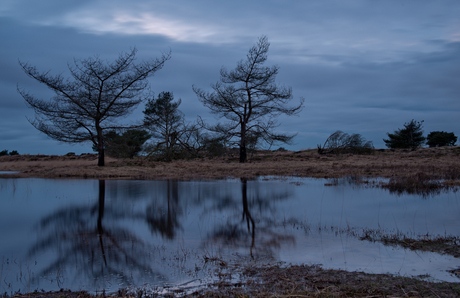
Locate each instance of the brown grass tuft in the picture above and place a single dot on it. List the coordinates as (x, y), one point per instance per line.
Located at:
(432, 163)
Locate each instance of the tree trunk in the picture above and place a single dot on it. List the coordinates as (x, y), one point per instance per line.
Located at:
(100, 150)
(100, 229)
(247, 214)
(242, 154)
(101, 206)
(243, 143)
(101, 160)
(100, 146)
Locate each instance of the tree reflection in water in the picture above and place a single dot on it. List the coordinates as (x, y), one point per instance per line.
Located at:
(95, 247)
(136, 229)
(88, 239)
(165, 219)
(241, 232)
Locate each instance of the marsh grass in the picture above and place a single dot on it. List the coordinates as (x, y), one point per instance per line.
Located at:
(434, 163)
(313, 281)
(420, 184)
(449, 245)
(292, 281)
(442, 244)
(23, 275)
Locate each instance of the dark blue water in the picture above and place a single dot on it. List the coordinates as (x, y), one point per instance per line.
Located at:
(105, 235)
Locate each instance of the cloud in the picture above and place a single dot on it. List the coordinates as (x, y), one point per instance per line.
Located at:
(120, 17)
(363, 67)
(335, 25)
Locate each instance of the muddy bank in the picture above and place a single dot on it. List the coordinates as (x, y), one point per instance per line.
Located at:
(431, 163)
(313, 281)
(294, 281)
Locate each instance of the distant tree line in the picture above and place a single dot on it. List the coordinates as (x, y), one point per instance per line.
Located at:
(5, 152)
(441, 138)
(411, 136)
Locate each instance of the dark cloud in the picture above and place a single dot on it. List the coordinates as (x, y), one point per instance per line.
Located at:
(363, 67)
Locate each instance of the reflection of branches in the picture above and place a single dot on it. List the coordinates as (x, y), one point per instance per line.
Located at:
(85, 243)
(264, 240)
(246, 213)
(164, 219)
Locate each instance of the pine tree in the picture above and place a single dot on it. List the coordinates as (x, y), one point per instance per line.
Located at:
(411, 136)
(166, 124)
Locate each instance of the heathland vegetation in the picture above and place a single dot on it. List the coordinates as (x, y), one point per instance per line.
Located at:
(440, 163)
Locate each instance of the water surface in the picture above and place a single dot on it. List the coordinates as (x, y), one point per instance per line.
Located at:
(104, 235)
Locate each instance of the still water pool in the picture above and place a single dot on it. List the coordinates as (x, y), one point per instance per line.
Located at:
(104, 235)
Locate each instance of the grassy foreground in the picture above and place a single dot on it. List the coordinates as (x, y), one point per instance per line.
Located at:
(411, 171)
(428, 163)
(298, 281)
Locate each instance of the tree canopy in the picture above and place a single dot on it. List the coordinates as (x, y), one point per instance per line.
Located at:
(250, 101)
(166, 124)
(93, 100)
(125, 145)
(441, 138)
(411, 136)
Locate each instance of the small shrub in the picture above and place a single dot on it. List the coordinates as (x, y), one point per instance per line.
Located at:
(340, 142)
(215, 149)
(125, 145)
(14, 152)
(4, 152)
(441, 138)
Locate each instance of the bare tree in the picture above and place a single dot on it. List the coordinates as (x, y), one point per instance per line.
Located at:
(97, 95)
(250, 100)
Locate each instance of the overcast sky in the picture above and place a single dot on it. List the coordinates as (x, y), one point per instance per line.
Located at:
(363, 67)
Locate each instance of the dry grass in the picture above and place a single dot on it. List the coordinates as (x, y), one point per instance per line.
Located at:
(434, 163)
(444, 245)
(298, 281)
(420, 184)
(313, 281)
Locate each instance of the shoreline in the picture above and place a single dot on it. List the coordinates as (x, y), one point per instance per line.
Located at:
(432, 163)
